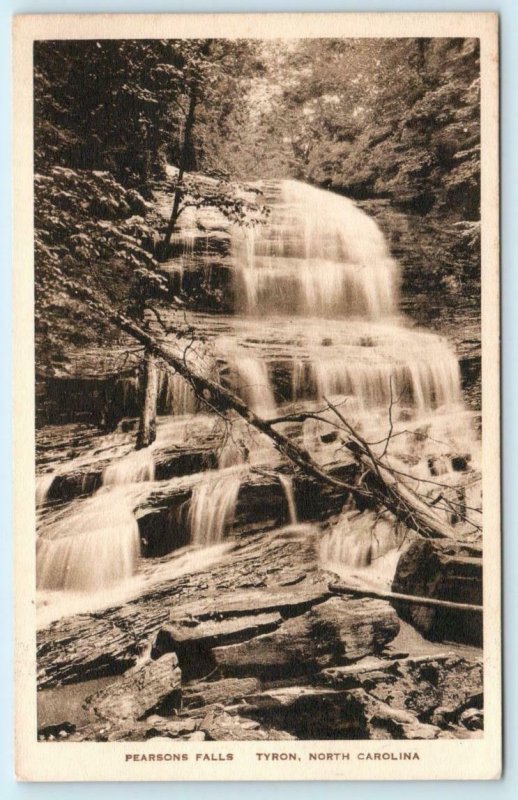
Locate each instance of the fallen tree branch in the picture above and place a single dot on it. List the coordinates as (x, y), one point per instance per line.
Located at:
(399, 498)
(344, 588)
(213, 394)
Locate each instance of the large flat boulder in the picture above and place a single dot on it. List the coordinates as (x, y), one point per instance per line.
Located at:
(193, 642)
(288, 601)
(336, 631)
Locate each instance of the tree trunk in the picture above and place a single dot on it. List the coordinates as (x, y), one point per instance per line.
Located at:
(147, 424)
(189, 122)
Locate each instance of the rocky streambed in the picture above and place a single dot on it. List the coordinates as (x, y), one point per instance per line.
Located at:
(257, 646)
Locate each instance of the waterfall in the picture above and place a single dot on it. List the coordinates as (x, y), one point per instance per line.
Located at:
(362, 544)
(175, 395)
(286, 482)
(135, 467)
(212, 507)
(254, 384)
(316, 298)
(319, 255)
(422, 384)
(43, 484)
(92, 547)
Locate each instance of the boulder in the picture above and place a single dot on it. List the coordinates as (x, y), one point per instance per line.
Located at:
(150, 689)
(336, 631)
(320, 713)
(428, 570)
(193, 643)
(472, 719)
(288, 601)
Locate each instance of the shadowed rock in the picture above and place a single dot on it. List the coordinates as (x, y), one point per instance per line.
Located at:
(420, 685)
(320, 713)
(427, 570)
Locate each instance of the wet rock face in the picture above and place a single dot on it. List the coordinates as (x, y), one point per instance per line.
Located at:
(265, 573)
(440, 278)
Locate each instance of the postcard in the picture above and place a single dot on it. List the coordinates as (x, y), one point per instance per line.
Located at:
(256, 413)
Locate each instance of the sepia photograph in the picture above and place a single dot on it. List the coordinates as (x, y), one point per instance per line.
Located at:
(257, 388)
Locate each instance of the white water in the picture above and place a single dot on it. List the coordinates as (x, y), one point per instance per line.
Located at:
(363, 546)
(251, 379)
(175, 394)
(213, 505)
(423, 383)
(53, 605)
(43, 484)
(135, 467)
(93, 547)
(319, 255)
(286, 482)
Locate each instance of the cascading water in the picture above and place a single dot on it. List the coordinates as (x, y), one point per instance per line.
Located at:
(135, 467)
(362, 545)
(286, 482)
(213, 505)
(316, 296)
(91, 547)
(94, 545)
(43, 484)
(319, 255)
(252, 381)
(175, 396)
